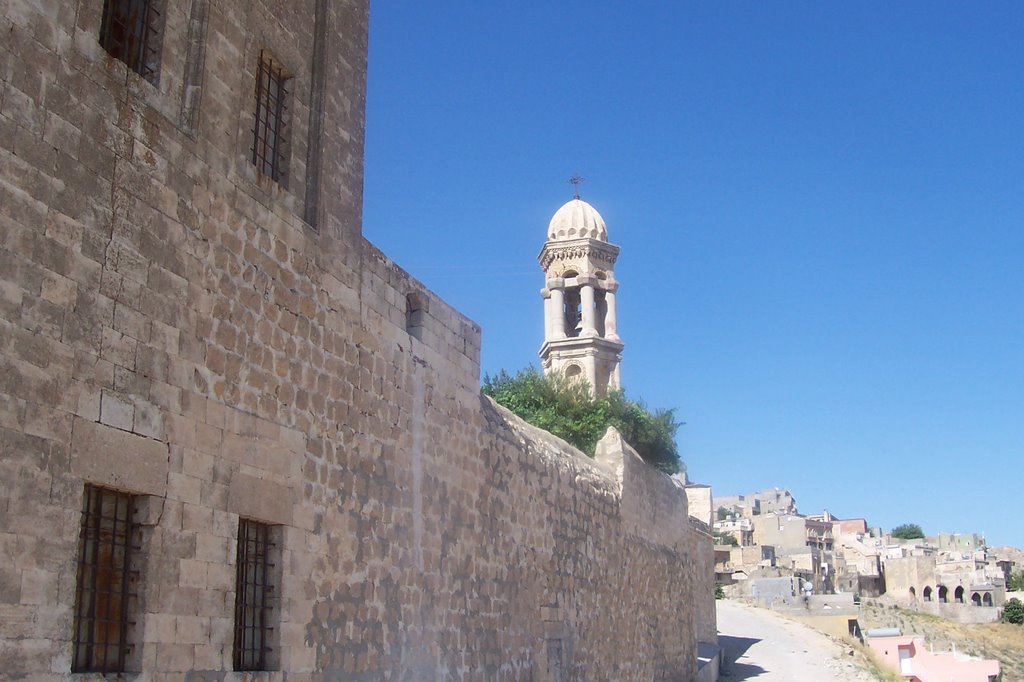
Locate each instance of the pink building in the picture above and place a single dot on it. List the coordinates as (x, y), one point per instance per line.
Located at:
(914, 661)
(851, 526)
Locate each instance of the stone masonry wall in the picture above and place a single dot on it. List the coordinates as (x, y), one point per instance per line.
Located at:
(175, 325)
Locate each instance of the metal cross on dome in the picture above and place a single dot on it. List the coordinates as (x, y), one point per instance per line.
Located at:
(575, 181)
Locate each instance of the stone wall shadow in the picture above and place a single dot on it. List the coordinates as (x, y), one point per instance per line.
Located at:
(733, 648)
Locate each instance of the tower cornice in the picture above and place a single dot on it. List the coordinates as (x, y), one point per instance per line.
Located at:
(577, 248)
(581, 344)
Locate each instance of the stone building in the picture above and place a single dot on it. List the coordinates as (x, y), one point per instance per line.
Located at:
(945, 587)
(236, 437)
(964, 543)
(767, 501)
(698, 498)
(858, 565)
(803, 544)
(580, 334)
(741, 530)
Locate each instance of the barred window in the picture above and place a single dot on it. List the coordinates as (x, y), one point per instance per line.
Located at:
(132, 31)
(254, 591)
(107, 583)
(269, 140)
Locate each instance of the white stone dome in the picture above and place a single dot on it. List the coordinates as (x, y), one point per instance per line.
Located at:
(577, 220)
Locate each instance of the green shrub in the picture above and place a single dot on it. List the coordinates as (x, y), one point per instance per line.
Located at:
(1013, 612)
(566, 408)
(723, 538)
(908, 531)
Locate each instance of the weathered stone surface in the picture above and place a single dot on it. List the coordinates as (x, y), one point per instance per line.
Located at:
(176, 325)
(261, 499)
(108, 456)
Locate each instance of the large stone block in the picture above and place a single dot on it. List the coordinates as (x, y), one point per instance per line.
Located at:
(108, 456)
(260, 499)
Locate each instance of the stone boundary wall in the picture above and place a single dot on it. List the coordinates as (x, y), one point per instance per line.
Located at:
(177, 326)
(703, 599)
(968, 614)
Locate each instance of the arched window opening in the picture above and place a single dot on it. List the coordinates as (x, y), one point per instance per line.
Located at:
(927, 593)
(958, 595)
(913, 594)
(976, 599)
(987, 599)
(573, 371)
(943, 594)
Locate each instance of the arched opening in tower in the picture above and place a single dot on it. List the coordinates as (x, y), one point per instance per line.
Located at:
(573, 312)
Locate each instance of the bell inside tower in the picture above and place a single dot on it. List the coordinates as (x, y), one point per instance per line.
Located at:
(573, 312)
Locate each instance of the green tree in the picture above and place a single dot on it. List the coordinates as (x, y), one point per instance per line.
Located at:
(722, 538)
(723, 513)
(1013, 612)
(565, 408)
(1016, 582)
(719, 592)
(908, 531)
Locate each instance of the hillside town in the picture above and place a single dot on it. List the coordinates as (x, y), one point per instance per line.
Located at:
(819, 569)
(761, 538)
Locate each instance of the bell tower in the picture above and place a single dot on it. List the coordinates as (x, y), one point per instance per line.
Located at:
(580, 338)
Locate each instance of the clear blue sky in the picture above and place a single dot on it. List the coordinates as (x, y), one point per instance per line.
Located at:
(820, 208)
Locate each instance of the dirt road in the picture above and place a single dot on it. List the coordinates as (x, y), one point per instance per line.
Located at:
(763, 646)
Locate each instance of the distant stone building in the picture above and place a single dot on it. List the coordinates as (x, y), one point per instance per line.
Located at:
(767, 501)
(851, 527)
(803, 545)
(236, 440)
(950, 588)
(858, 558)
(963, 543)
(698, 497)
(741, 530)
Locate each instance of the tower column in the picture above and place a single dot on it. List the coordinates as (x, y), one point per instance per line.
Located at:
(546, 295)
(610, 330)
(556, 308)
(590, 369)
(589, 313)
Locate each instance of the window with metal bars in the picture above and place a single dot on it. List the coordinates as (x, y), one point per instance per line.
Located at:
(269, 138)
(254, 592)
(131, 31)
(107, 582)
